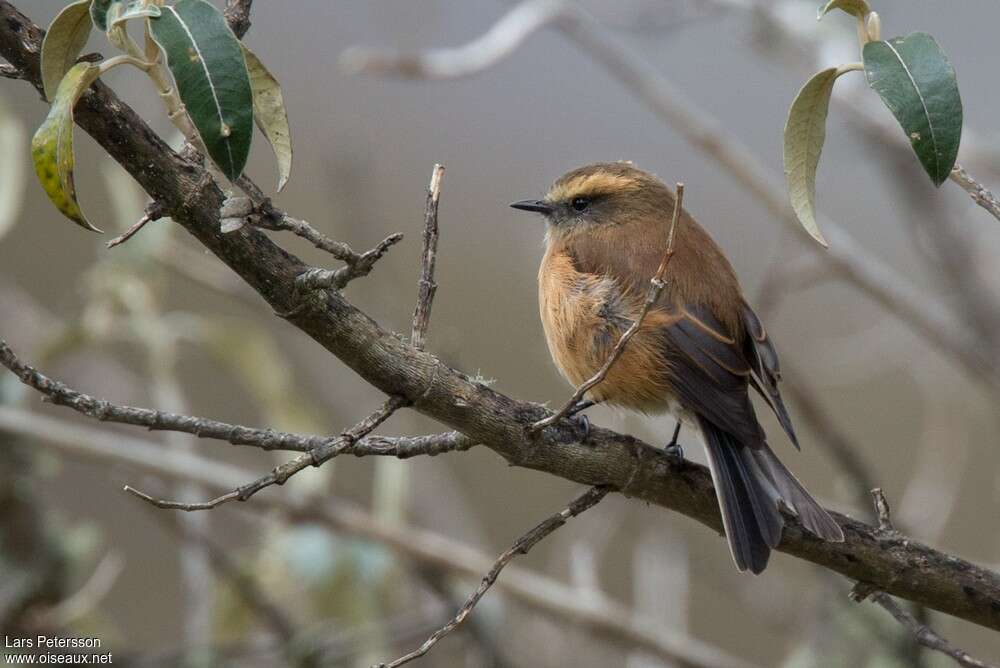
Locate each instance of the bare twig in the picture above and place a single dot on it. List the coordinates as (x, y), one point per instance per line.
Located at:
(926, 636)
(153, 212)
(882, 511)
(656, 286)
(427, 287)
(266, 439)
(601, 615)
(522, 545)
(259, 212)
(358, 265)
(977, 191)
(922, 633)
(280, 474)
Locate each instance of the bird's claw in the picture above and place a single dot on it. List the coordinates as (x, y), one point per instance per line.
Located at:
(582, 423)
(675, 453)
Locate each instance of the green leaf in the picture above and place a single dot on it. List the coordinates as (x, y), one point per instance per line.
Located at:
(99, 13)
(805, 132)
(132, 9)
(64, 40)
(857, 8)
(211, 76)
(52, 145)
(269, 112)
(917, 83)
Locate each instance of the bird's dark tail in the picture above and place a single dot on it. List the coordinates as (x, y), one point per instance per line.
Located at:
(812, 515)
(747, 497)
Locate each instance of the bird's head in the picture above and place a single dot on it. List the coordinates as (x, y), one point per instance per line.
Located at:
(589, 199)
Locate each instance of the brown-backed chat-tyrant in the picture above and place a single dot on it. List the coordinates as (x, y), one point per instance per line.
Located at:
(698, 351)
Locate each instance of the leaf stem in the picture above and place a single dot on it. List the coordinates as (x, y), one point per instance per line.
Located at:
(850, 67)
(112, 63)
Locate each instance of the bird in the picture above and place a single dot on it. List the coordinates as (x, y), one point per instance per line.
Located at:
(696, 354)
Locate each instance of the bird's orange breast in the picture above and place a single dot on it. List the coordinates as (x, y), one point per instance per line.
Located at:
(584, 316)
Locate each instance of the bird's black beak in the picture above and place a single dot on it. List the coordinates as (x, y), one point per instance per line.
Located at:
(536, 205)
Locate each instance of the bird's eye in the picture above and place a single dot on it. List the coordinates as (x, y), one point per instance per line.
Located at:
(580, 203)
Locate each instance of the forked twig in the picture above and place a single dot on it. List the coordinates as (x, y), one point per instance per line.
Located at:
(656, 286)
(522, 545)
(922, 633)
(280, 474)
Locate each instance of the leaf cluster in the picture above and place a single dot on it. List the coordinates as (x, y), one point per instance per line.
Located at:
(913, 78)
(213, 86)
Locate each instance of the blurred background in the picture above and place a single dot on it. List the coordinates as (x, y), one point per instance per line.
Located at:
(158, 322)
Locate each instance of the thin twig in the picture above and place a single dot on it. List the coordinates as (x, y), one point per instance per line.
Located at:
(266, 439)
(153, 212)
(882, 511)
(522, 545)
(977, 191)
(923, 634)
(358, 266)
(279, 475)
(427, 287)
(656, 286)
(926, 636)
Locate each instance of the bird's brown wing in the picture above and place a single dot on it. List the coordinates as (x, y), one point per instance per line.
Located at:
(710, 373)
(766, 369)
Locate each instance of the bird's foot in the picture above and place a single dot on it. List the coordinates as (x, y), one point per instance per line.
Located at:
(581, 421)
(674, 451)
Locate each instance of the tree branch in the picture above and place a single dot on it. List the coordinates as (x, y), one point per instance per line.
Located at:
(522, 545)
(280, 474)
(901, 567)
(598, 614)
(977, 191)
(922, 634)
(266, 439)
(926, 636)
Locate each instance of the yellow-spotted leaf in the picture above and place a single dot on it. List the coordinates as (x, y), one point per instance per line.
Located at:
(805, 132)
(64, 40)
(269, 114)
(52, 145)
(857, 8)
